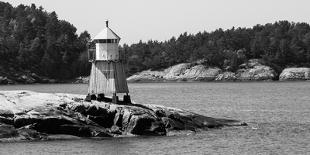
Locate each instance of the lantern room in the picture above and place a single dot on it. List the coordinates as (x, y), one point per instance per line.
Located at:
(106, 46)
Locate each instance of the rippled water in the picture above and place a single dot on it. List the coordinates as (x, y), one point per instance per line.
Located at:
(278, 114)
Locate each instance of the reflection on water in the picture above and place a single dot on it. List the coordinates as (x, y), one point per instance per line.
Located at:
(278, 114)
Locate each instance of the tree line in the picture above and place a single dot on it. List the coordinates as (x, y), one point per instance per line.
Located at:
(35, 40)
(280, 44)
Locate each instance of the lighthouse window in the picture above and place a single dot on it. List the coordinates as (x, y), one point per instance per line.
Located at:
(106, 41)
(101, 41)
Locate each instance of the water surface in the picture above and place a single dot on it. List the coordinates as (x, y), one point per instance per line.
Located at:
(278, 114)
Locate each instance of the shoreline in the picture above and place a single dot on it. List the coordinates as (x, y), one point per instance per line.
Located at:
(31, 116)
(252, 71)
(169, 81)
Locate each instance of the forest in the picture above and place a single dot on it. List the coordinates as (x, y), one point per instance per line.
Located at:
(37, 41)
(34, 40)
(279, 45)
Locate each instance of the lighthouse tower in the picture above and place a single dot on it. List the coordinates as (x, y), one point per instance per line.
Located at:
(107, 75)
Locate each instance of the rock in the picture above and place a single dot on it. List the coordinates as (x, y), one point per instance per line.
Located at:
(7, 131)
(129, 119)
(30, 134)
(200, 73)
(174, 72)
(254, 70)
(295, 74)
(180, 72)
(177, 119)
(81, 79)
(5, 80)
(25, 79)
(14, 76)
(6, 113)
(27, 115)
(190, 72)
(147, 76)
(226, 76)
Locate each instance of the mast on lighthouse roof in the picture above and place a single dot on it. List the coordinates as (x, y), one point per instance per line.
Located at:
(107, 72)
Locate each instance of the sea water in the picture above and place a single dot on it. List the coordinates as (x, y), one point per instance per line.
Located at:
(278, 114)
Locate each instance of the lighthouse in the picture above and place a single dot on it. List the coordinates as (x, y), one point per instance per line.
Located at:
(107, 77)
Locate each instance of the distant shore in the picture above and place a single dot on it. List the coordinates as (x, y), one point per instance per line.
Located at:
(253, 70)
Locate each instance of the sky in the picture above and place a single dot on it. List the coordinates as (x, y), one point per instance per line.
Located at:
(135, 20)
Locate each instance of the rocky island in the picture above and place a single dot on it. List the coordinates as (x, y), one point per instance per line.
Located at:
(27, 115)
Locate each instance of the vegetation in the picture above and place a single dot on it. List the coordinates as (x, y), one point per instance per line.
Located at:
(34, 40)
(279, 45)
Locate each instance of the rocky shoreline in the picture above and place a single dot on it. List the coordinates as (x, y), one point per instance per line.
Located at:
(27, 115)
(22, 77)
(253, 70)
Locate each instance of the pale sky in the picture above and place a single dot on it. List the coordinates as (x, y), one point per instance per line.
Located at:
(135, 20)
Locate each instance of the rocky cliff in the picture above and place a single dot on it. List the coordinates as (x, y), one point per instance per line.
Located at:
(26, 115)
(295, 74)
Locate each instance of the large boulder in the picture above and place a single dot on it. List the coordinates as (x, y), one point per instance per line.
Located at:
(253, 70)
(26, 115)
(295, 74)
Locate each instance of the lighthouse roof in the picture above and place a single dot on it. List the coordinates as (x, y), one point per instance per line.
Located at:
(106, 33)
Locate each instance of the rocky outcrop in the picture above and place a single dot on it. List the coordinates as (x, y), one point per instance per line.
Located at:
(81, 79)
(147, 76)
(180, 72)
(295, 74)
(196, 73)
(5, 80)
(24, 77)
(26, 115)
(176, 71)
(255, 71)
(226, 76)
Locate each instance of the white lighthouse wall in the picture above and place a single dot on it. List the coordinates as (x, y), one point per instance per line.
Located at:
(101, 51)
(107, 51)
(108, 78)
(113, 53)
